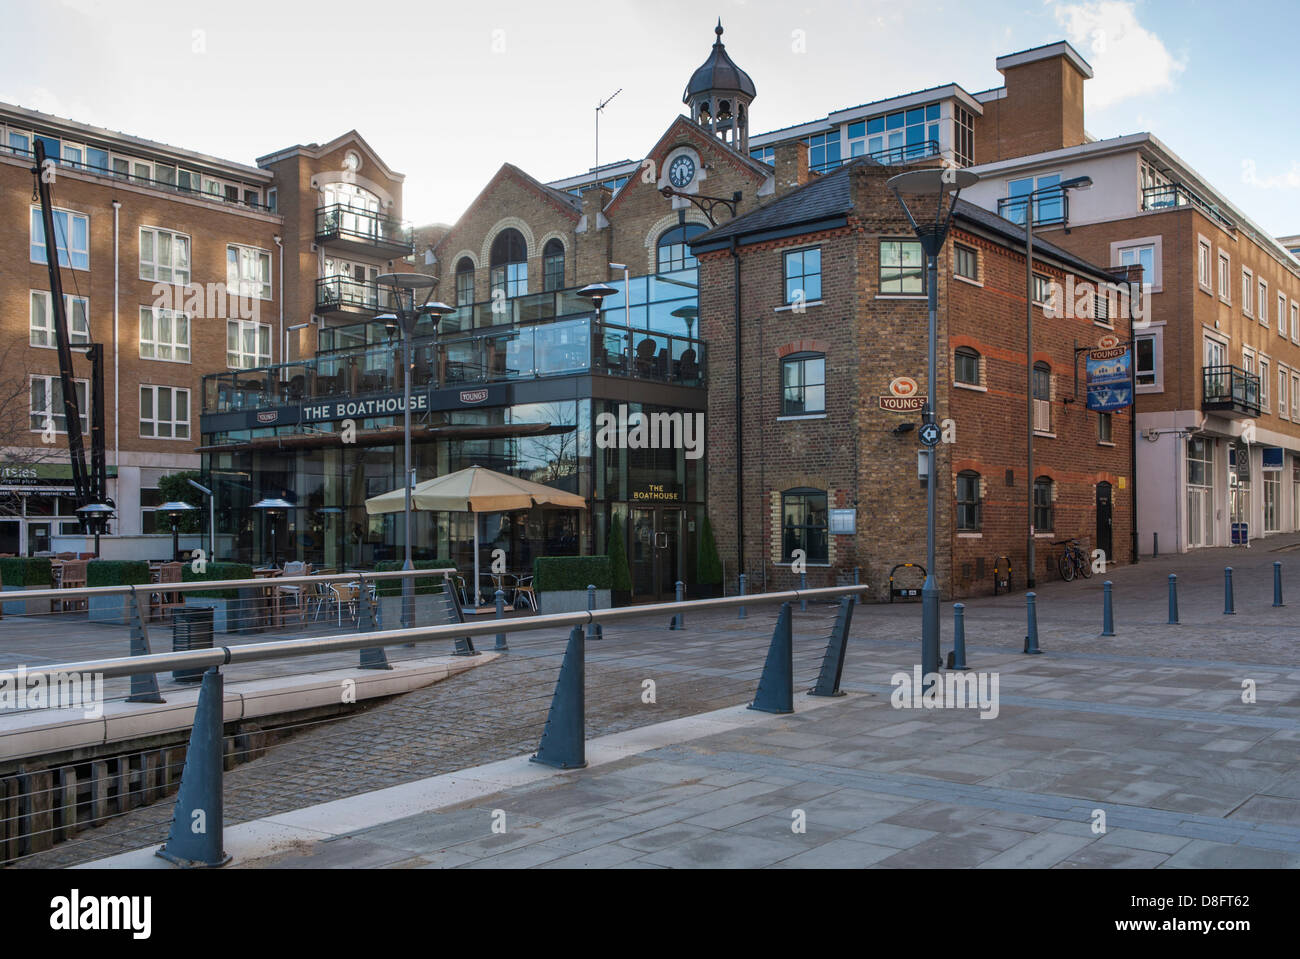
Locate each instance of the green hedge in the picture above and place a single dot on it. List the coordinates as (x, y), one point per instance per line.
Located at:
(26, 571)
(620, 572)
(216, 571)
(424, 585)
(709, 566)
(552, 574)
(117, 572)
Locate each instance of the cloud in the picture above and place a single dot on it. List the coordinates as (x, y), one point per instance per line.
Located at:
(1128, 59)
(1290, 180)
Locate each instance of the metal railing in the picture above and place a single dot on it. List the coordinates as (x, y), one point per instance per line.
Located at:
(340, 221)
(342, 292)
(1232, 388)
(1050, 208)
(1170, 196)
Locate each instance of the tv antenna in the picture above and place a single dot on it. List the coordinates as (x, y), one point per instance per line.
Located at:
(598, 109)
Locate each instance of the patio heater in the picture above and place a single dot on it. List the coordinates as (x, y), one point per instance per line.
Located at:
(96, 517)
(271, 506)
(176, 511)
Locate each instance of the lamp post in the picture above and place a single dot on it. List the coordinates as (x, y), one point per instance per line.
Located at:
(934, 194)
(96, 517)
(212, 519)
(271, 506)
(409, 289)
(627, 293)
(176, 511)
(1077, 183)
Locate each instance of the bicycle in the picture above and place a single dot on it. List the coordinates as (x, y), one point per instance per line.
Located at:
(1073, 561)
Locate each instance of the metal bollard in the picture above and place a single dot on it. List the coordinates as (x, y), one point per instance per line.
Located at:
(1107, 611)
(1228, 609)
(957, 658)
(679, 619)
(803, 584)
(1277, 585)
(1031, 639)
(501, 614)
(857, 597)
(1173, 600)
(741, 614)
(1155, 545)
(593, 629)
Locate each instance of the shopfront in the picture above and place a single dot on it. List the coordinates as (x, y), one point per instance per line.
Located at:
(37, 502)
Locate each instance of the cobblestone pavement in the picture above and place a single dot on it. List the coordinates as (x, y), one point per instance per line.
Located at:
(1148, 725)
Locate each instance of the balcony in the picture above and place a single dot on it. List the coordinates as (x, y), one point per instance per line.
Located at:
(1050, 209)
(362, 232)
(1230, 392)
(341, 295)
(1171, 196)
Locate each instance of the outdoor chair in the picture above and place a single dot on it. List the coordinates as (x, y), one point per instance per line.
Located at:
(294, 593)
(161, 602)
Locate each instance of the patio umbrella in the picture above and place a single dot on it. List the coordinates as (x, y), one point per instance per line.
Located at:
(474, 490)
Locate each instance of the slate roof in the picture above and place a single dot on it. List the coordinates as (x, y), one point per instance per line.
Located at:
(720, 73)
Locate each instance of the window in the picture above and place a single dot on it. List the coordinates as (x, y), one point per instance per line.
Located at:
(77, 310)
(1295, 326)
(509, 262)
(906, 133)
(1281, 314)
(803, 384)
(1101, 307)
(97, 159)
(164, 413)
(47, 404)
(1203, 265)
(673, 252)
(1262, 307)
(71, 236)
(1247, 290)
(164, 256)
(766, 154)
(1263, 383)
(1146, 361)
(1295, 405)
(966, 366)
(968, 502)
(1105, 428)
(1042, 289)
(19, 142)
(1049, 206)
(465, 281)
(1042, 398)
(964, 125)
(553, 265)
(902, 270)
(965, 262)
(803, 276)
(151, 521)
(273, 201)
(1225, 271)
(1044, 508)
(803, 525)
(1282, 404)
(1143, 256)
(1200, 461)
(824, 151)
(248, 344)
(164, 335)
(248, 272)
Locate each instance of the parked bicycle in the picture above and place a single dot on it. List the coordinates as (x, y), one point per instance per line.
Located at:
(1074, 561)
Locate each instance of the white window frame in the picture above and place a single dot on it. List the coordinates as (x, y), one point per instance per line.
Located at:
(1156, 333)
(82, 386)
(1265, 392)
(1295, 329)
(1204, 264)
(1281, 315)
(1283, 399)
(245, 360)
(151, 269)
(76, 337)
(1262, 306)
(33, 245)
(1225, 277)
(1247, 292)
(239, 284)
(152, 347)
(154, 423)
(1295, 404)
(1154, 282)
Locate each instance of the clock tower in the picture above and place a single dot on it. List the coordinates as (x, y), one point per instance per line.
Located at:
(719, 94)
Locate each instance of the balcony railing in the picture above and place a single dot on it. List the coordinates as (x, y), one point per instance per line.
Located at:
(362, 230)
(890, 157)
(503, 354)
(1173, 195)
(343, 294)
(1230, 391)
(1050, 209)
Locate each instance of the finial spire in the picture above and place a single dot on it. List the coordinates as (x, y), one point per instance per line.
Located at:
(718, 29)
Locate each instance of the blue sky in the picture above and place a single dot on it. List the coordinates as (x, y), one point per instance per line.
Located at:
(447, 92)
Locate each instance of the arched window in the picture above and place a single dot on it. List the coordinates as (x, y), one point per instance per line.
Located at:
(553, 265)
(966, 366)
(464, 281)
(804, 525)
(968, 501)
(803, 384)
(509, 263)
(1044, 509)
(674, 254)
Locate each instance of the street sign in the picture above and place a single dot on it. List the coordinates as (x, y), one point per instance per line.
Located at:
(930, 434)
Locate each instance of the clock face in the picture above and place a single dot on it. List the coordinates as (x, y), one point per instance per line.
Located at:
(681, 172)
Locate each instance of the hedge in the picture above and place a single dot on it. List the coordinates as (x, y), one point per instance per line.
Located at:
(117, 572)
(552, 574)
(621, 574)
(26, 571)
(709, 566)
(424, 585)
(216, 571)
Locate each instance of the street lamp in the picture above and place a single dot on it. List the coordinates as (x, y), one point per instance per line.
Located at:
(627, 293)
(271, 506)
(1077, 183)
(176, 511)
(934, 195)
(411, 292)
(96, 517)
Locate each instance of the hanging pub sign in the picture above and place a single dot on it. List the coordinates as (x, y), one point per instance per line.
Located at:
(1110, 382)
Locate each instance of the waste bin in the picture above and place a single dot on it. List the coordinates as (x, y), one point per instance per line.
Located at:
(191, 629)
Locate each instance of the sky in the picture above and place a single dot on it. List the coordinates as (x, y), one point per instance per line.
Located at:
(447, 92)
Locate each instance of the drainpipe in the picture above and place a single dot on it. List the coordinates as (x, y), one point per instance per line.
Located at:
(284, 337)
(740, 441)
(117, 392)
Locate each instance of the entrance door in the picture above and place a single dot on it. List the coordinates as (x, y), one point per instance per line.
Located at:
(1105, 540)
(656, 553)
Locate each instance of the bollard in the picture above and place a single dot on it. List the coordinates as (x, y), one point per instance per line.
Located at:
(1277, 585)
(195, 839)
(776, 685)
(803, 584)
(957, 658)
(1228, 609)
(1155, 545)
(501, 645)
(741, 614)
(1107, 611)
(679, 619)
(857, 597)
(593, 629)
(144, 686)
(1031, 639)
(828, 680)
(563, 744)
(1173, 600)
